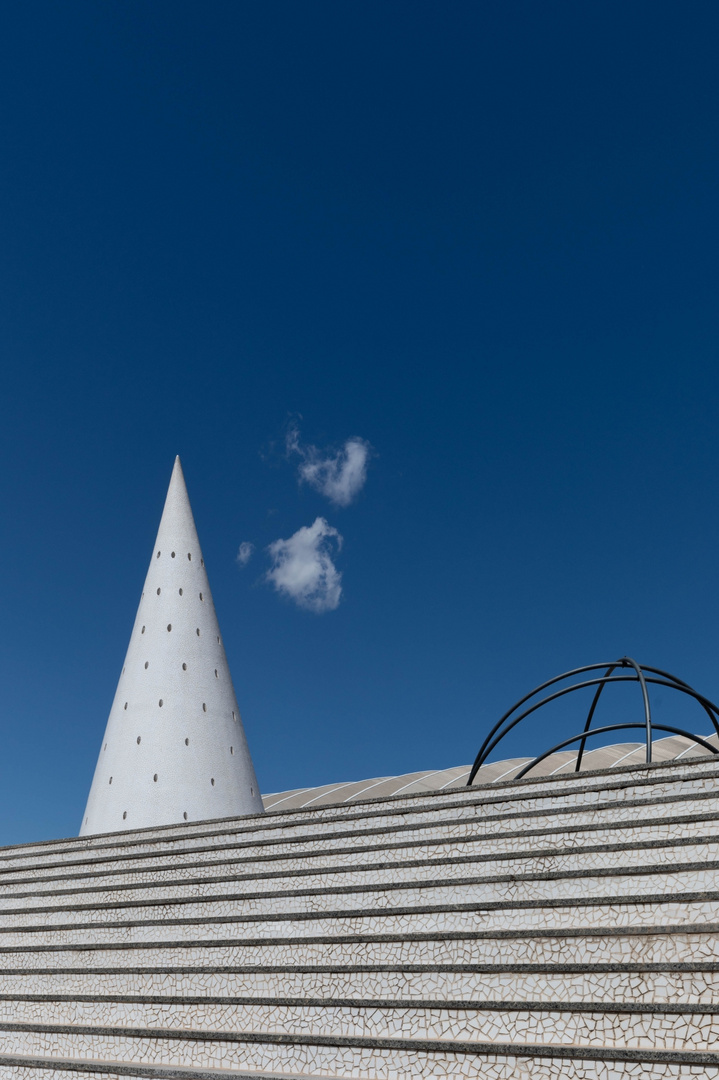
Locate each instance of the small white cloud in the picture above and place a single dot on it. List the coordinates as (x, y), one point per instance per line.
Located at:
(302, 567)
(339, 474)
(244, 553)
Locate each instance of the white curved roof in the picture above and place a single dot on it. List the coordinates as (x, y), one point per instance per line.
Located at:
(603, 757)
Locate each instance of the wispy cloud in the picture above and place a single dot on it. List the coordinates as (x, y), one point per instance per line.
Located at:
(302, 567)
(338, 474)
(244, 552)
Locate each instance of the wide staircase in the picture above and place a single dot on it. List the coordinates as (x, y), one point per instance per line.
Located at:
(563, 926)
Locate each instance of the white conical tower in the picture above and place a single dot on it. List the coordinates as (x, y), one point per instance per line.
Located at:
(174, 749)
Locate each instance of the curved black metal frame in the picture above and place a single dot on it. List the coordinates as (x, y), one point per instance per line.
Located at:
(505, 724)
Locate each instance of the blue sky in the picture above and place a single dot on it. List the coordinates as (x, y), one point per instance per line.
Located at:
(480, 239)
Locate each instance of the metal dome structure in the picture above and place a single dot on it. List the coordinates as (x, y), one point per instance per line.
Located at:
(643, 675)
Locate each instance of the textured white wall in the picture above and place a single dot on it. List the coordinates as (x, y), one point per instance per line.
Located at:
(174, 748)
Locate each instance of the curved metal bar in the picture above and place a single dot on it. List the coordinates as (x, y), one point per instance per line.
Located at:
(545, 701)
(614, 727)
(666, 674)
(537, 690)
(684, 688)
(647, 710)
(710, 709)
(588, 724)
(593, 682)
(495, 736)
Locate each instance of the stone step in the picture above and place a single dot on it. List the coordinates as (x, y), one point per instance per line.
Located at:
(646, 833)
(505, 1065)
(611, 945)
(323, 894)
(360, 868)
(22, 1067)
(665, 816)
(651, 783)
(29, 995)
(652, 1026)
(606, 912)
(552, 927)
(359, 1058)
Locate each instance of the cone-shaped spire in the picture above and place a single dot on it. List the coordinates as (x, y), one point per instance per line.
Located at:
(174, 749)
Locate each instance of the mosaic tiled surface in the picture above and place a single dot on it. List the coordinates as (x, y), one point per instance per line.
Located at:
(542, 918)
(628, 987)
(673, 945)
(482, 1067)
(656, 1030)
(336, 897)
(450, 858)
(419, 936)
(364, 1062)
(524, 797)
